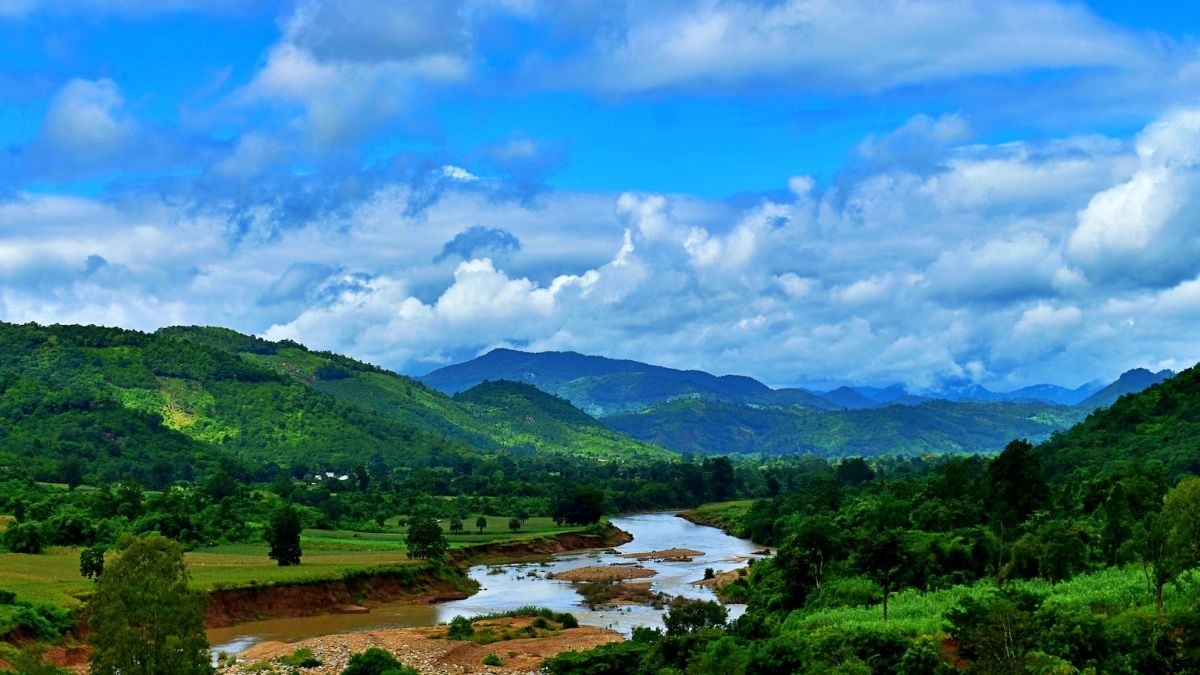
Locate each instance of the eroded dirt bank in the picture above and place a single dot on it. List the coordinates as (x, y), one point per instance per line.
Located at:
(228, 607)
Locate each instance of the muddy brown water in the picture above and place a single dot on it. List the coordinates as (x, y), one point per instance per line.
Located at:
(507, 587)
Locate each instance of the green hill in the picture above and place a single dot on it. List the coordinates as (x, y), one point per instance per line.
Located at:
(601, 386)
(185, 399)
(523, 416)
(1160, 424)
(697, 425)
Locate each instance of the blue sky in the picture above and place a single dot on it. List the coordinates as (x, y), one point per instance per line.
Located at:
(933, 192)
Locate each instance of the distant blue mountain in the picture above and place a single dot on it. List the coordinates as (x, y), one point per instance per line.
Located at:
(1130, 382)
(602, 386)
(695, 411)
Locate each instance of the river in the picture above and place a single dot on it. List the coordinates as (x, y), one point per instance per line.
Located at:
(505, 587)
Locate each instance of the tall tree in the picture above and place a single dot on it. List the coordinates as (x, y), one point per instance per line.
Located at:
(425, 539)
(283, 534)
(144, 619)
(1016, 485)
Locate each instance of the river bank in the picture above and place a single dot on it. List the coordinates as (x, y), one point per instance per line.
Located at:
(359, 590)
(429, 649)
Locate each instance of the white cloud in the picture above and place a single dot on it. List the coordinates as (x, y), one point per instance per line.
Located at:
(889, 274)
(1143, 230)
(852, 45)
(84, 117)
(354, 67)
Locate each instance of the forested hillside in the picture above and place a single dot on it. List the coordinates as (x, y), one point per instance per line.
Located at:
(939, 427)
(1081, 555)
(694, 411)
(116, 404)
(1156, 427)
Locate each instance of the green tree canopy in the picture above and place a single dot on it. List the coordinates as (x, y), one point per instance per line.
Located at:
(425, 539)
(144, 619)
(283, 534)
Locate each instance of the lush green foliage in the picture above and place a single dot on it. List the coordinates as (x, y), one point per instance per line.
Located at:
(425, 539)
(1002, 565)
(376, 661)
(143, 617)
(283, 535)
(1159, 425)
(707, 426)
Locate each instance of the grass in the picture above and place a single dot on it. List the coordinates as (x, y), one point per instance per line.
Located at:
(53, 576)
(912, 612)
(728, 516)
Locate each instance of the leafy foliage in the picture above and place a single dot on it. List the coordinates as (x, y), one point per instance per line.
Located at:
(425, 539)
(143, 617)
(283, 535)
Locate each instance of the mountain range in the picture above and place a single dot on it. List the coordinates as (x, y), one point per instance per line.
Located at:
(695, 411)
(602, 386)
(162, 406)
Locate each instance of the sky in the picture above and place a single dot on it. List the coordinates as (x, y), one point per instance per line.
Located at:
(809, 192)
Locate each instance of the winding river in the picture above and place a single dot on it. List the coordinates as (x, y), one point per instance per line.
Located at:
(505, 587)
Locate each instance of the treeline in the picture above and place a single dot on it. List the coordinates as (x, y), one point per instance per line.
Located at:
(986, 548)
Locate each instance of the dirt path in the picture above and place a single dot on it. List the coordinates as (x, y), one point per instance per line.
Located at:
(428, 650)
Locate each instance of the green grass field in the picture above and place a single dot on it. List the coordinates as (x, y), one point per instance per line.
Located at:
(53, 577)
(728, 516)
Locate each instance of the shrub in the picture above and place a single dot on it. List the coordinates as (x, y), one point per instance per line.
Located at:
(376, 661)
(301, 658)
(492, 660)
(460, 628)
(567, 620)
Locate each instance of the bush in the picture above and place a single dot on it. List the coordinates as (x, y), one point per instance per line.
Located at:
(376, 661)
(460, 628)
(567, 620)
(301, 658)
(492, 660)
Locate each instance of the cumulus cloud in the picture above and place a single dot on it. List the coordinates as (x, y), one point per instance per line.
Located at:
(1143, 230)
(84, 117)
(296, 283)
(480, 241)
(354, 67)
(890, 273)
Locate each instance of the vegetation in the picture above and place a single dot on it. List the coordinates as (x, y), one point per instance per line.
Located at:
(221, 450)
(143, 617)
(425, 539)
(376, 661)
(283, 535)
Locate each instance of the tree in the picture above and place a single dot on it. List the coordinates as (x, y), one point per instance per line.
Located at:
(885, 558)
(1169, 542)
(23, 538)
(456, 524)
(91, 562)
(514, 524)
(1016, 486)
(581, 506)
(283, 534)
(144, 619)
(694, 615)
(481, 523)
(425, 539)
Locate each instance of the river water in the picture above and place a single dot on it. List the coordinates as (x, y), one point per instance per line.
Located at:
(506, 587)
